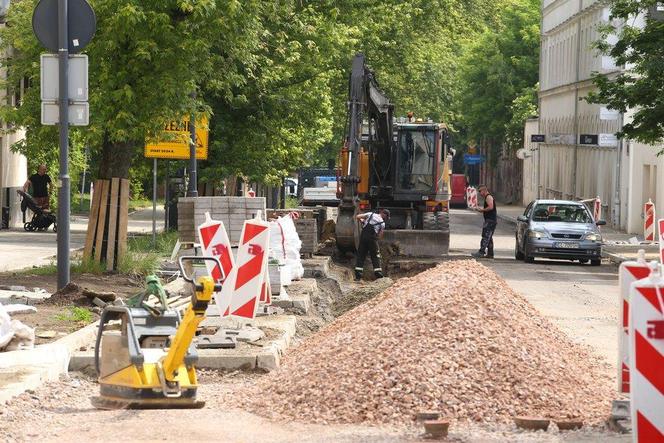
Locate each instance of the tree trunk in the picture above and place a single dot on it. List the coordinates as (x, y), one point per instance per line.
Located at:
(116, 159)
(107, 226)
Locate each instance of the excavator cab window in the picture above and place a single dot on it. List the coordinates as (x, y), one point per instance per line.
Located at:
(417, 151)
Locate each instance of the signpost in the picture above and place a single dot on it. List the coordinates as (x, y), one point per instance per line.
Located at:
(64, 26)
(178, 144)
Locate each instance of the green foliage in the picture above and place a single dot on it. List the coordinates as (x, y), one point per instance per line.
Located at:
(640, 88)
(498, 72)
(143, 257)
(524, 106)
(75, 314)
(273, 76)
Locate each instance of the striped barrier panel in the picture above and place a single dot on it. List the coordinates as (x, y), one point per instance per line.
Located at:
(629, 272)
(646, 327)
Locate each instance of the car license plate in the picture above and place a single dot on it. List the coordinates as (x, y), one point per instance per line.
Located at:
(567, 245)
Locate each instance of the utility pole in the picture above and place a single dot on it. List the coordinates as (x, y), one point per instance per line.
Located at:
(63, 194)
(192, 190)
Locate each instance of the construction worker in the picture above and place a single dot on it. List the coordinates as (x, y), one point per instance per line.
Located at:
(490, 222)
(373, 225)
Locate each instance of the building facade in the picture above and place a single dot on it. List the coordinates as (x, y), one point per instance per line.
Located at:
(13, 166)
(581, 157)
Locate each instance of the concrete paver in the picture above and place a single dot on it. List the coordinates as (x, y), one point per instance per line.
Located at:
(20, 249)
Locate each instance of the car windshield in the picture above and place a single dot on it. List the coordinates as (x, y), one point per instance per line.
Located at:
(561, 213)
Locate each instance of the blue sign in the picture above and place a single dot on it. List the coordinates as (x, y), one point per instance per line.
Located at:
(472, 159)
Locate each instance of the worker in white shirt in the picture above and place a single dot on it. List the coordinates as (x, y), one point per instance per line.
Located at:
(373, 225)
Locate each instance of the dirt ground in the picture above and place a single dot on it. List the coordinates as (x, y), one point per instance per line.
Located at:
(54, 318)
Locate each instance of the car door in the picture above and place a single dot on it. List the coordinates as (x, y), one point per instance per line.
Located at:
(522, 226)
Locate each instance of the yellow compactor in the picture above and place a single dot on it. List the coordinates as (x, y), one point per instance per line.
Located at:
(145, 357)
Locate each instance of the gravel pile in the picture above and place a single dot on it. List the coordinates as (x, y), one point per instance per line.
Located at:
(454, 339)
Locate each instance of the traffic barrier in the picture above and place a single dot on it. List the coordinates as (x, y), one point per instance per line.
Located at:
(649, 221)
(214, 242)
(629, 272)
(250, 270)
(646, 330)
(471, 197)
(660, 224)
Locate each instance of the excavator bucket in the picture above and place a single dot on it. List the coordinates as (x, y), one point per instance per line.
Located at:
(417, 243)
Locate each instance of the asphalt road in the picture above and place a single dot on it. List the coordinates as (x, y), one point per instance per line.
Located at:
(582, 300)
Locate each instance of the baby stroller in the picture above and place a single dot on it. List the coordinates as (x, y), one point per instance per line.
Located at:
(41, 219)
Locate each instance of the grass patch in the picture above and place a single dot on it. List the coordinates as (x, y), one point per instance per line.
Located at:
(144, 256)
(75, 314)
(81, 205)
(291, 202)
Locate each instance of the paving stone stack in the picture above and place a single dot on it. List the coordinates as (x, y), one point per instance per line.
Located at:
(233, 211)
(307, 229)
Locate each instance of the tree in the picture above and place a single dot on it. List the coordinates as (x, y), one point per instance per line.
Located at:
(498, 73)
(640, 88)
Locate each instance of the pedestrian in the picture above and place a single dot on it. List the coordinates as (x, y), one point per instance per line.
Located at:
(41, 187)
(373, 225)
(490, 222)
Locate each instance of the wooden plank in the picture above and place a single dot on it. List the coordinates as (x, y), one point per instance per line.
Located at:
(92, 221)
(101, 223)
(112, 224)
(123, 217)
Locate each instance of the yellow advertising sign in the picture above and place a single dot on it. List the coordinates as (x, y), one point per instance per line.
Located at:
(176, 146)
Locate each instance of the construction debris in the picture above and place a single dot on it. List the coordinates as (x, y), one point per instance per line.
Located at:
(454, 339)
(14, 335)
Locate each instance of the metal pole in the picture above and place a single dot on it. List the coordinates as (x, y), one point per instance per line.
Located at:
(167, 198)
(63, 194)
(154, 201)
(192, 191)
(87, 150)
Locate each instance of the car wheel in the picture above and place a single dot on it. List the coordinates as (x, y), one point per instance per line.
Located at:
(583, 260)
(596, 262)
(517, 251)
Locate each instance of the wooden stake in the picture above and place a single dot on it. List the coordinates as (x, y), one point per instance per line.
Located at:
(123, 218)
(101, 223)
(92, 222)
(112, 224)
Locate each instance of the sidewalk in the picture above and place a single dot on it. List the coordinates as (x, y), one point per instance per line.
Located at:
(20, 249)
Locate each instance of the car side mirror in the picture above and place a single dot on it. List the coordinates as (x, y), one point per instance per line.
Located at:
(522, 218)
(600, 222)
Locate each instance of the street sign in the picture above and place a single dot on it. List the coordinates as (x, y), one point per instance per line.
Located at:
(608, 140)
(537, 138)
(81, 22)
(78, 78)
(472, 159)
(588, 139)
(79, 114)
(176, 144)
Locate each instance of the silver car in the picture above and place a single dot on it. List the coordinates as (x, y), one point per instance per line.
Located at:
(558, 229)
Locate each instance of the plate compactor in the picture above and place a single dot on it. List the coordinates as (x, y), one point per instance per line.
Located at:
(145, 356)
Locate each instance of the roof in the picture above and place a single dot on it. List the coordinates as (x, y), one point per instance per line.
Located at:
(558, 202)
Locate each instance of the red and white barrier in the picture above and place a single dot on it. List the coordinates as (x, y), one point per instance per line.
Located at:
(250, 270)
(649, 221)
(660, 223)
(214, 242)
(629, 272)
(471, 197)
(646, 328)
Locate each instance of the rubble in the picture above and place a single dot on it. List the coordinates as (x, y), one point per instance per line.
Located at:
(454, 339)
(14, 335)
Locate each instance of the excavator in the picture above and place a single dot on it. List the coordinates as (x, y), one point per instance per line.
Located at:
(399, 164)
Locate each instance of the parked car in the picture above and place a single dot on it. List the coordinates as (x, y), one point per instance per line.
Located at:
(459, 185)
(558, 229)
